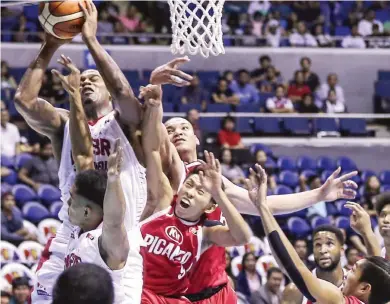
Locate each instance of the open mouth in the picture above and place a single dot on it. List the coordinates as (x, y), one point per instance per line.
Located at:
(179, 141)
(184, 204)
(87, 90)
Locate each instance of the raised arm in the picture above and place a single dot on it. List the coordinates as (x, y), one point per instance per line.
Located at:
(361, 223)
(159, 190)
(113, 243)
(125, 102)
(38, 113)
(313, 288)
(237, 231)
(80, 136)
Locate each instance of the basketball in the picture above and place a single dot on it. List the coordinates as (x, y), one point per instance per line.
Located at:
(62, 19)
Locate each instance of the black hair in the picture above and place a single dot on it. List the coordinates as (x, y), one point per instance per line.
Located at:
(332, 229)
(331, 90)
(84, 283)
(305, 58)
(43, 142)
(5, 294)
(381, 201)
(245, 256)
(21, 281)
(311, 179)
(263, 58)
(308, 94)
(280, 86)
(348, 250)
(376, 272)
(232, 162)
(272, 270)
(91, 184)
(242, 71)
(226, 119)
(4, 195)
(299, 240)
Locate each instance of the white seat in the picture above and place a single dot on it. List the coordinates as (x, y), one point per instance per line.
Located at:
(15, 270)
(236, 265)
(264, 263)
(9, 252)
(32, 229)
(31, 251)
(48, 228)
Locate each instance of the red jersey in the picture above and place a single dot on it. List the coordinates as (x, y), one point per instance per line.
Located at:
(172, 247)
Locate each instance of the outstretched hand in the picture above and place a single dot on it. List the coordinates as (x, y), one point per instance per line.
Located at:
(115, 161)
(152, 94)
(359, 220)
(338, 187)
(257, 185)
(210, 174)
(169, 73)
(70, 83)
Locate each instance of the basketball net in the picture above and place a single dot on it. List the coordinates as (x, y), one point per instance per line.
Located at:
(196, 27)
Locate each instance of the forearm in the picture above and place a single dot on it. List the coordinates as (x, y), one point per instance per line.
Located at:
(114, 205)
(239, 229)
(372, 244)
(9, 236)
(27, 180)
(357, 243)
(151, 128)
(115, 80)
(80, 135)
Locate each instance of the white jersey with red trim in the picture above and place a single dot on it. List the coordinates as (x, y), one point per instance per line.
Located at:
(314, 272)
(84, 248)
(104, 133)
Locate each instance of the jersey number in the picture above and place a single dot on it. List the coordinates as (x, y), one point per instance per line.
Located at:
(183, 271)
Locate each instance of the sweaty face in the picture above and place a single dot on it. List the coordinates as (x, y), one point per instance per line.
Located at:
(181, 134)
(93, 89)
(326, 250)
(384, 221)
(301, 249)
(192, 199)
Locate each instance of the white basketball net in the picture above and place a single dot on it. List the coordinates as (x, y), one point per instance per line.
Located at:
(196, 27)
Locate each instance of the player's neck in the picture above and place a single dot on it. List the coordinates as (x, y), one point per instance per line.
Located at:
(335, 277)
(96, 113)
(188, 156)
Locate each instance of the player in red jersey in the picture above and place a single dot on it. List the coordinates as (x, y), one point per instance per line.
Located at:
(368, 282)
(176, 233)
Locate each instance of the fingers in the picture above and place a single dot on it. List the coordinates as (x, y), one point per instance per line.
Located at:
(336, 173)
(217, 165)
(181, 74)
(60, 76)
(177, 81)
(352, 206)
(348, 194)
(175, 63)
(85, 11)
(350, 184)
(207, 157)
(117, 145)
(348, 176)
(248, 184)
(201, 177)
(89, 7)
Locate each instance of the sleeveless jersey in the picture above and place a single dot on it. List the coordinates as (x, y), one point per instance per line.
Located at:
(345, 272)
(104, 133)
(84, 248)
(352, 300)
(172, 247)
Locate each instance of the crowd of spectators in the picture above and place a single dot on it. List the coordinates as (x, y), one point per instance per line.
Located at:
(357, 24)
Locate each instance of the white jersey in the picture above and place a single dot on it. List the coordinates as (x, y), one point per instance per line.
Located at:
(127, 281)
(104, 133)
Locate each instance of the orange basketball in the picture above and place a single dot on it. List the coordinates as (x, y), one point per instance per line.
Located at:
(62, 19)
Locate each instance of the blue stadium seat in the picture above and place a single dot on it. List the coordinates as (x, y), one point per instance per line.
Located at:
(286, 163)
(382, 15)
(146, 75)
(331, 209)
(48, 194)
(256, 147)
(216, 107)
(385, 177)
(264, 96)
(168, 107)
(342, 31)
(269, 164)
(281, 189)
(325, 174)
(31, 11)
(22, 159)
(171, 94)
(382, 88)
(268, 125)
(289, 178)
(55, 209)
(23, 193)
(34, 212)
(341, 209)
(365, 174)
(326, 163)
(318, 221)
(208, 78)
(308, 173)
(249, 108)
(298, 126)
(5, 188)
(17, 73)
(186, 107)
(357, 179)
(385, 188)
(210, 124)
(244, 125)
(346, 163)
(342, 222)
(325, 124)
(10, 179)
(298, 227)
(353, 126)
(305, 162)
(384, 75)
(7, 161)
(131, 76)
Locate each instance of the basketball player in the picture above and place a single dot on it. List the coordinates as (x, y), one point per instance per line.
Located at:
(382, 207)
(176, 233)
(368, 282)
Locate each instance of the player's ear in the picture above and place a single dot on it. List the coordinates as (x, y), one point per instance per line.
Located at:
(212, 206)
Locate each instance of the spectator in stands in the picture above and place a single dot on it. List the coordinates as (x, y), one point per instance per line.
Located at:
(193, 118)
(20, 29)
(332, 105)
(131, 20)
(354, 40)
(230, 170)
(84, 283)
(227, 137)
(311, 78)
(248, 280)
(271, 81)
(279, 103)
(258, 74)
(331, 83)
(300, 246)
(10, 134)
(194, 93)
(371, 189)
(314, 182)
(292, 22)
(223, 94)
(119, 29)
(257, 6)
(5, 297)
(366, 25)
(378, 39)
(308, 105)
(12, 229)
(298, 88)
(229, 77)
(246, 91)
(323, 39)
(59, 94)
(269, 293)
(21, 289)
(41, 169)
(307, 11)
(7, 80)
(273, 33)
(352, 255)
(257, 24)
(105, 26)
(302, 37)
